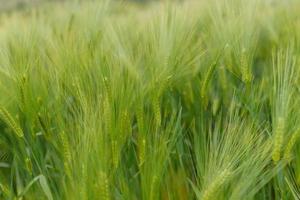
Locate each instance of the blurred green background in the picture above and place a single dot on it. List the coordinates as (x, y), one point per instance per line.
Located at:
(8, 5)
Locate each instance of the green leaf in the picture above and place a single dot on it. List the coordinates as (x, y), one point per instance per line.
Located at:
(45, 187)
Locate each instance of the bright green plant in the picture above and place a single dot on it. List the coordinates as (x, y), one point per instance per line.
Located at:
(164, 100)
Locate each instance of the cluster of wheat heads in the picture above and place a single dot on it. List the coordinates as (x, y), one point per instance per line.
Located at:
(175, 100)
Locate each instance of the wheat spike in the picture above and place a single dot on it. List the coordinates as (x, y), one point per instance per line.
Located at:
(140, 117)
(66, 152)
(22, 92)
(115, 153)
(83, 183)
(288, 150)
(125, 123)
(152, 187)
(43, 124)
(205, 83)
(8, 119)
(28, 164)
(213, 188)
(206, 80)
(215, 105)
(142, 149)
(156, 110)
(107, 115)
(245, 68)
(104, 186)
(278, 140)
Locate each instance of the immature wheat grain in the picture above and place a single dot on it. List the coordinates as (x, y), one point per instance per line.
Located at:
(206, 80)
(66, 152)
(212, 189)
(215, 105)
(115, 153)
(104, 186)
(156, 110)
(245, 68)
(8, 119)
(288, 150)
(278, 140)
(28, 164)
(107, 85)
(152, 187)
(140, 117)
(83, 182)
(43, 124)
(107, 115)
(22, 91)
(141, 150)
(125, 123)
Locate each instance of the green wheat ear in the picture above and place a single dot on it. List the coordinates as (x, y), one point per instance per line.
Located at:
(115, 153)
(141, 149)
(23, 90)
(28, 164)
(288, 150)
(279, 130)
(8, 119)
(156, 110)
(66, 152)
(154, 183)
(212, 189)
(107, 114)
(140, 117)
(245, 68)
(206, 80)
(125, 122)
(103, 186)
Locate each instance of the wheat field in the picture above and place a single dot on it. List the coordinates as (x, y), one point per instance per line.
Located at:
(164, 100)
